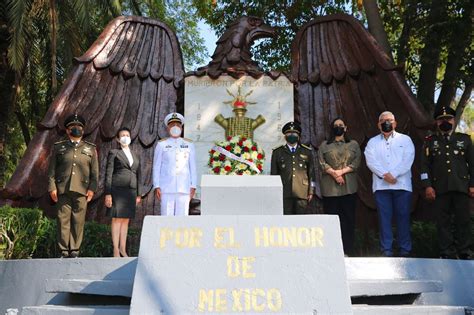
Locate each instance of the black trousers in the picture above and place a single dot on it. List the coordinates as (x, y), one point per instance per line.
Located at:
(344, 207)
(294, 206)
(453, 207)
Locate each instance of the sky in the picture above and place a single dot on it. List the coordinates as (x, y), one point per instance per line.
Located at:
(210, 39)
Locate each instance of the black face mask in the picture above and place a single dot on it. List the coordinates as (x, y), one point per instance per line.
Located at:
(386, 126)
(76, 132)
(445, 126)
(338, 131)
(292, 138)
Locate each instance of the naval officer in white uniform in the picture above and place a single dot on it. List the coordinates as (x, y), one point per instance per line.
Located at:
(174, 169)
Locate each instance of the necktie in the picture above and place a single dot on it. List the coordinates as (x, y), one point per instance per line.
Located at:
(293, 150)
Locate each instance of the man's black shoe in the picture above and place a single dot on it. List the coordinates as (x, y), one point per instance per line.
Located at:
(64, 254)
(74, 254)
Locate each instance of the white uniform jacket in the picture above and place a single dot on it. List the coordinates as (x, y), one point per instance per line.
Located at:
(174, 166)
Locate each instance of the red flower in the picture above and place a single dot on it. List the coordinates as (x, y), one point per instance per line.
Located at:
(260, 156)
(251, 160)
(216, 170)
(254, 148)
(259, 166)
(240, 143)
(227, 168)
(246, 149)
(243, 138)
(228, 138)
(212, 151)
(228, 148)
(222, 157)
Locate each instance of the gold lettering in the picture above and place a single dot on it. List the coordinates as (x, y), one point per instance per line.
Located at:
(304, 237)
(276, 237)
(274, 302)
(317, 234)
(290, 238)
(225, 238)
(240, 266)
(255, 294)
(236, 306)
(206, 300)
(221, 300)
(261, 237)
(165, 235)
(247, 304)
(246, 267)
(233, 266)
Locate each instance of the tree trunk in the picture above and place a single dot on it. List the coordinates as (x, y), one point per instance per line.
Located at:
(408, 15)
(459, 42)
(429, 58)
(466, 95)
(7, 83)
(54, 33)
(376, 25)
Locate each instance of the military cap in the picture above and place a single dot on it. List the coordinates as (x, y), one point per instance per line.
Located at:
(75, 119)
(291, 126)
(444, 112)
(172, 117)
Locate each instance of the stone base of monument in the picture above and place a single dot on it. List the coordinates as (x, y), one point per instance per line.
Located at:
(254, 195)
(434, 286)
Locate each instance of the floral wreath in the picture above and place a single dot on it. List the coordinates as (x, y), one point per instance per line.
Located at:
(236, 156)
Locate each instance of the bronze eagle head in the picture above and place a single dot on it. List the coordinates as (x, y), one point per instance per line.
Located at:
(232, 54)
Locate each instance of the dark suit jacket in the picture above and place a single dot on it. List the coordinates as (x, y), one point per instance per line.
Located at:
(119, 173)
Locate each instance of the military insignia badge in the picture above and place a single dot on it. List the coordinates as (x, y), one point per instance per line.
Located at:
(435, 144)
(460, 144)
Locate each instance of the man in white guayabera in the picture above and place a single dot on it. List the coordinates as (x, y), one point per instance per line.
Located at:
(389, 155)
(174, 169)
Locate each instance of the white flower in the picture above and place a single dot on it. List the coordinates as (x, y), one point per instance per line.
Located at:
(237, 150)
(247, 172)
(223, 171)
(241, 166)
(254, 155)
(216, 154)
(247, 143)
(216, 164)
(227, 163)
(246, 155)
(234, 139)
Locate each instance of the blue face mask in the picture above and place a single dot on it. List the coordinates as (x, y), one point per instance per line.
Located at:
(76, 132)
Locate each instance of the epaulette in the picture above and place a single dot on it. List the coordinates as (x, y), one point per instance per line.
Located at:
(280, 146)
(62, 141)
(162, 139)
(89, 143)
(187, 139)
(306, 146)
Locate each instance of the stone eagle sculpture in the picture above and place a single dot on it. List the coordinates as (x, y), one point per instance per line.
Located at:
(232, 54)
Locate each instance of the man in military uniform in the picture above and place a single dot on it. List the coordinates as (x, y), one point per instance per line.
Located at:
(174, 169)
(447, 174)
(294, 163)
(73, 175)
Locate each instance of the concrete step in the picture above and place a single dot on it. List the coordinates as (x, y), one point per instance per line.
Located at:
(392, 287)
(87, 286)
(410, 310)
(76, 310)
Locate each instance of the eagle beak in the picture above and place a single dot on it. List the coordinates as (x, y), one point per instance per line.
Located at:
(262, 31)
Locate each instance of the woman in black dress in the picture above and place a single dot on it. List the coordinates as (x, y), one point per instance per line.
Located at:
(122, 189)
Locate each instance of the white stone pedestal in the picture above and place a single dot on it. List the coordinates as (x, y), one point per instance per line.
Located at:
(225, 195)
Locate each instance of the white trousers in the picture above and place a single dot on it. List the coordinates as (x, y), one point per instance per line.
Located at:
(175, 204)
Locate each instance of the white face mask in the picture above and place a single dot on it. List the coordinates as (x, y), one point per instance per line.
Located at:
(175, 131)
(125, 140)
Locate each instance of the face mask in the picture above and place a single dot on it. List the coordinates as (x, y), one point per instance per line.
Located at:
(292, 138)
(387, 126)
(338, 131)
(125, 140)
(76, 132)
(175, 131)
(445, 126)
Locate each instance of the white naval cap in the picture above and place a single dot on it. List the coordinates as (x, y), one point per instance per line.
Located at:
(171, 117)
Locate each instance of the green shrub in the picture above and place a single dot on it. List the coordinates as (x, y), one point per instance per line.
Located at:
(97, 241)
(18, 231)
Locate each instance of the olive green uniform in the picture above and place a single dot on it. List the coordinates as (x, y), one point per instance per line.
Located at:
(448, 167)
(73, 170)
(297, 176)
